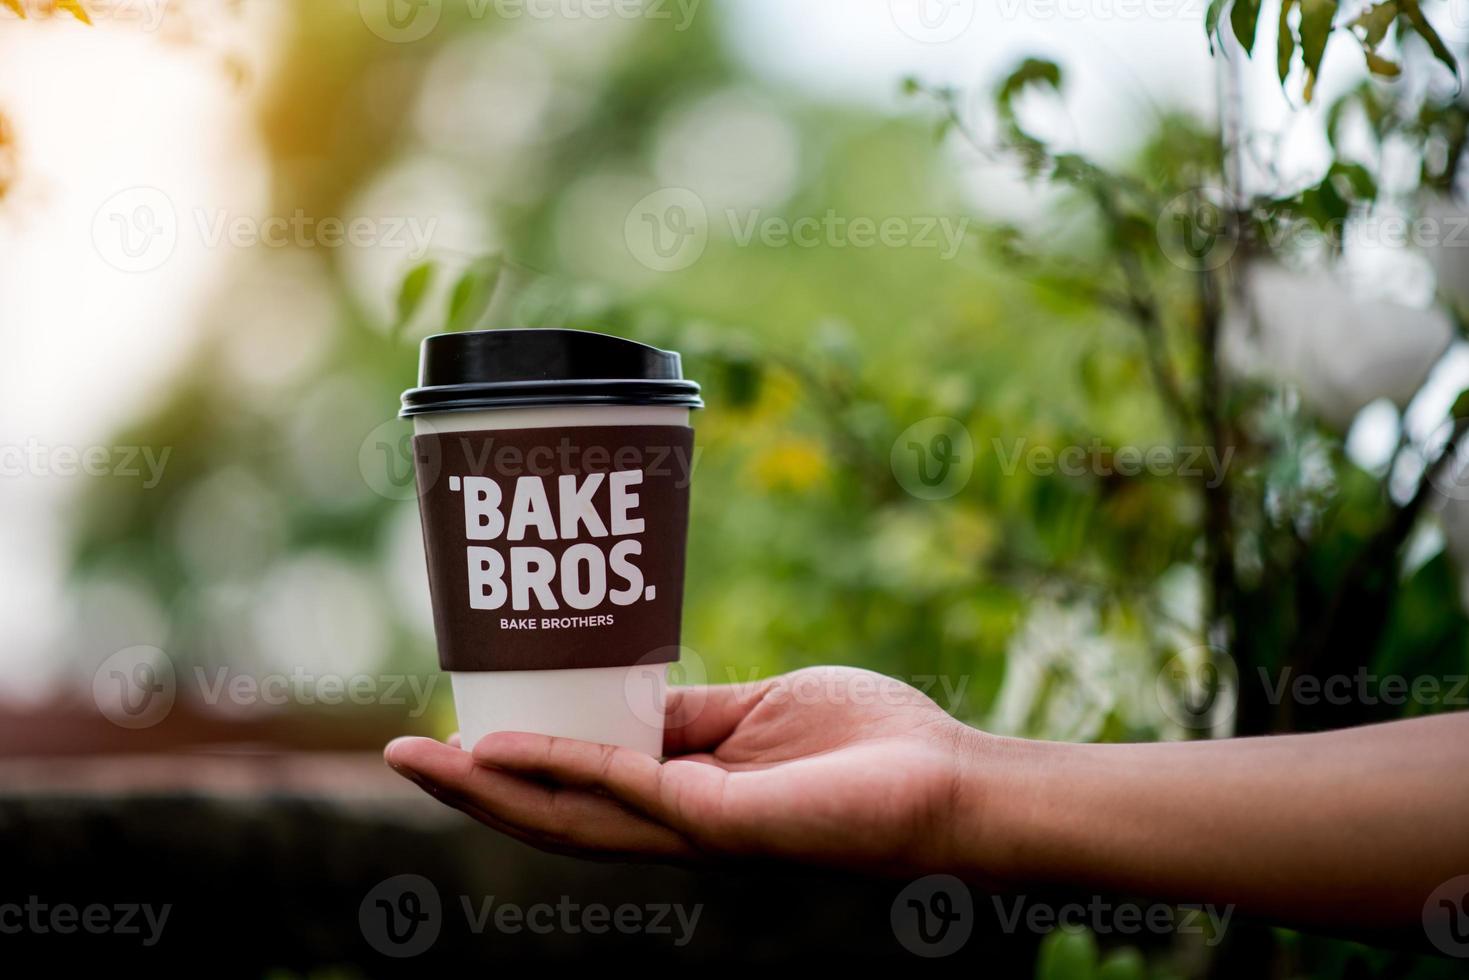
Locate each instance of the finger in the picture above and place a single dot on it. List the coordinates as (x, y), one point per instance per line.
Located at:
(593, 834)
(448, 797)
(444, 772)
(576, 818)
(699, 718)
(632, 777)
(531, 838)
(561, 820)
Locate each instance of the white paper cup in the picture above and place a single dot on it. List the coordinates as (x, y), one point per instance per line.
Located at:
(614, 705)
(617, 704)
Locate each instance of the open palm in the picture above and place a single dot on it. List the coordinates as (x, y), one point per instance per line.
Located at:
(831, 765)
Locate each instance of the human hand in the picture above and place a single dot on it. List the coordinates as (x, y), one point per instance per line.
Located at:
(851, 769)
(828, 765)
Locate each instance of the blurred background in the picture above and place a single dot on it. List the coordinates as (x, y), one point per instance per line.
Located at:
(1100, 386)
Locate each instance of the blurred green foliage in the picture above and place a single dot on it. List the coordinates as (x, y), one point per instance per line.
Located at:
(1044, 603)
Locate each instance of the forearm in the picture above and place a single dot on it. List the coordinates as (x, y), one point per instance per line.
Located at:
(1349, 828)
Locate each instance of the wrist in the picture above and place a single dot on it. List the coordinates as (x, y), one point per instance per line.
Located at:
(1003, 795)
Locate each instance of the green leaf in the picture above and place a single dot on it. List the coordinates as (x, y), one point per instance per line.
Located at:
(1031, 71)
(1285, 41)
(411, 293)
(1244, 17)
(1325, 204)
(1375, 21)
(1211, 21)
(742, 381)
(472, 293)
(1461, 405)
(1316, 17)
(1425, 30)
(1066, 954)
(1072, 168)
(1356, 177)
(1379, 65)
(1123, 964)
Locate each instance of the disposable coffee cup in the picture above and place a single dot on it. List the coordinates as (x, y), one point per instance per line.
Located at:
(553, 471)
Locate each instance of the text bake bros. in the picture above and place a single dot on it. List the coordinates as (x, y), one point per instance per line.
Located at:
(588, 573)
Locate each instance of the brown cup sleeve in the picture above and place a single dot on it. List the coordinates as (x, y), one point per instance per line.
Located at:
(555, 548)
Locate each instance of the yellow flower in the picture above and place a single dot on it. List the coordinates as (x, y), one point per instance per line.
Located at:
(72, 7)
(791, 463)
(780, 394)
(75, 9)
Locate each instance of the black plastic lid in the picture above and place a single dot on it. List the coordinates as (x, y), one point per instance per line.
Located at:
(480, 369)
